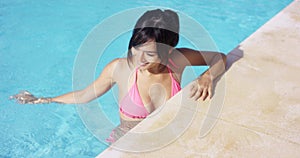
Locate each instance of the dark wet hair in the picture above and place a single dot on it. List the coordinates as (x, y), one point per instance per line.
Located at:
(158, 25)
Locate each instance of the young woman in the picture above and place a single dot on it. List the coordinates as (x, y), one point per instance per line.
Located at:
(149, 76)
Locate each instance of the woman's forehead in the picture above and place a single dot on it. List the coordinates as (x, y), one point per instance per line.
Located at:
(148, 46)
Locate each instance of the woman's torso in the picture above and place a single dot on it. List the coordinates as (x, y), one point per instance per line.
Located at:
(154, 89)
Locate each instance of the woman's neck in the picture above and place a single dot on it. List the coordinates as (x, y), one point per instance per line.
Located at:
(160, 68)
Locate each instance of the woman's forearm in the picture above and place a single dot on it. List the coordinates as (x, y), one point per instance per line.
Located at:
(70, 98)
(217, 66)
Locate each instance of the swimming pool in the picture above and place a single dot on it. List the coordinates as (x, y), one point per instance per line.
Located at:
(38, 46)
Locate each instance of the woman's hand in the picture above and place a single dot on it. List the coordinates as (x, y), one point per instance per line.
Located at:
(25, 97)
(201, 88)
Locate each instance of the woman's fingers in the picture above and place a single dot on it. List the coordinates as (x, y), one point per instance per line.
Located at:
(16, 96)
(198, 93)
(193, 90)
(209, 92)
(24, 97)
(204, 94)
(20, 100)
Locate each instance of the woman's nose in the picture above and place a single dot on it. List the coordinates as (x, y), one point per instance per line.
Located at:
(142, 57)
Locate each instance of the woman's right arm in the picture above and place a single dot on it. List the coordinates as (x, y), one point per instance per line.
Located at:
(100, 86)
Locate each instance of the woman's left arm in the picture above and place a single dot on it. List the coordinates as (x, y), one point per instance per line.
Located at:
(202, 87)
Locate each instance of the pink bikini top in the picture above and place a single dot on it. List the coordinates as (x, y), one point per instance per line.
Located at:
(132, 106)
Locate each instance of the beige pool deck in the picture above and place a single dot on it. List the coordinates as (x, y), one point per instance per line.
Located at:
(255, 111)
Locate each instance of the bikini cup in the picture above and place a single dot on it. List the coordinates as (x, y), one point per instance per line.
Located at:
(132, 105)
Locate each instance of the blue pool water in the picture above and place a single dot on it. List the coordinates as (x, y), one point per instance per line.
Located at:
(38, 45)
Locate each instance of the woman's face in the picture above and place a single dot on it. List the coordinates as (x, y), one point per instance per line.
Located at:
(145, 56)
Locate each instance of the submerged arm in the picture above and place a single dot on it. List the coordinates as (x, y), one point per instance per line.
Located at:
(100, 86)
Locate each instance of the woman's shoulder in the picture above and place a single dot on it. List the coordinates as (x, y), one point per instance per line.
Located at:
(120, 69)
(119, 63)
(177, 59)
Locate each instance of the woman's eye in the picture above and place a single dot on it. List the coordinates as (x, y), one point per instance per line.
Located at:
(150, 54)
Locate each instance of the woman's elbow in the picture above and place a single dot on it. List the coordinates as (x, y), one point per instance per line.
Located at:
(224, 57)
(83, 97)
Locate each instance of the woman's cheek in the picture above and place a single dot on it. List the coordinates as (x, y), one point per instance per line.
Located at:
(153, 59)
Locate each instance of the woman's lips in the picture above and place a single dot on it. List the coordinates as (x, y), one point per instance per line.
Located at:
(143, 64)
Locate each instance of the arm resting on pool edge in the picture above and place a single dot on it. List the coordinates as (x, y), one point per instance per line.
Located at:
(217, 66)
(215, 60)
(203, 85)
(100, 86)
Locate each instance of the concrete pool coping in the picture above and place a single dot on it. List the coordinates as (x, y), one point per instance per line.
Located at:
(256, 107)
